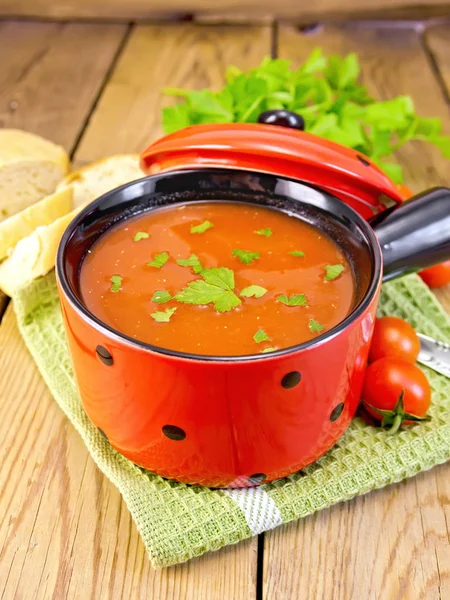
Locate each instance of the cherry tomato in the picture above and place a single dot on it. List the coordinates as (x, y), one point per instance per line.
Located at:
(395, 392)
(404, 191)
(394, 337)
(437, 276)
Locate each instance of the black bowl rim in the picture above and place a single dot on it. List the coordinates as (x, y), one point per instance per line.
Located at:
(116, 335)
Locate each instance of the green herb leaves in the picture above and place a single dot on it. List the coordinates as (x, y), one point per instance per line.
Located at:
(297, 253)
(161, 296)
(261, 336)
(326, 92)
(215, 288)
(294, 300)
(202, 227)
(333, 271)
(116, 283)
(245, 257)
(314, 326)
(255, 291)
(266, 232)
(140, 235)
(163, 316)
(159, 260)
(193, 261)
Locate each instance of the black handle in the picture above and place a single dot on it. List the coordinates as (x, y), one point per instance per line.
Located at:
(416, 234)
(282, 118)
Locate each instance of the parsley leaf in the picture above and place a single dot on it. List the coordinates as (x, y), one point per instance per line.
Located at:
(314, 326)
(267, 232)
(202, 227)
(253, 290)
(159, 260)
(244, 256)
(297, 253)
(326, 92)
(140, 235)
(268, 350)
(294, 300)
(116, 283)
(216, 288)
(222, 277)
(163, 316)
(333, 271)
(193, 261)
(261, 336)
(161, 296)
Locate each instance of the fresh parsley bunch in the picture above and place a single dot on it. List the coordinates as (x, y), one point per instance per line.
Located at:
(326, 92)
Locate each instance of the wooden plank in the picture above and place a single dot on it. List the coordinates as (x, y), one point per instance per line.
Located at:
(64, 530)
(392, 543)
(50, 75)
(437, 40)
(142, 9)
(128, 115)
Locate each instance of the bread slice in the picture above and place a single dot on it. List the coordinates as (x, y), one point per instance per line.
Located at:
(100, 177)
(44, 212)
(34, 255)
(30, 169)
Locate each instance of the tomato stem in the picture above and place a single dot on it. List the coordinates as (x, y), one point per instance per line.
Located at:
(396, 424)
(395, 418)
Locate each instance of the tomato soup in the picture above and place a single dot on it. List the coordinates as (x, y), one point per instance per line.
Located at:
(218, 279)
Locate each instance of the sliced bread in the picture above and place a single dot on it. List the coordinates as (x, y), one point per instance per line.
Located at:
(30, 169)
(44, 212)
(34, 255)
(100, 177)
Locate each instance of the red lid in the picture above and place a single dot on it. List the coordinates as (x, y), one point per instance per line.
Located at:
(350, 176)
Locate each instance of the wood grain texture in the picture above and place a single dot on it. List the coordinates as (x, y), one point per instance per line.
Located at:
(64, 530)
(51, 74)
(143, 9)
(437, 40)
(392, 543)
(128, 115)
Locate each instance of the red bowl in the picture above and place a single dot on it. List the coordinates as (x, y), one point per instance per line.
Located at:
(238, 421)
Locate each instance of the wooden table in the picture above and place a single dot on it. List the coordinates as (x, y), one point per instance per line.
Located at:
(64, 530)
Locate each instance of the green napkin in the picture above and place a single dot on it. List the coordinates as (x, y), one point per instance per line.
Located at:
(178, 522)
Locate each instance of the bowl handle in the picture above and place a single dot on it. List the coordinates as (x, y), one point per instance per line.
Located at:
(416, 234)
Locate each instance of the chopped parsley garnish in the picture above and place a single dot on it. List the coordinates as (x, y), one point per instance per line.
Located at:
(215, 288)
(163, 316)
(193, 262)
(314, 326)
(116, 283)
(333, 271)
(244, 256)
(267, 232)
(294, 300)
(261, 336)
(161, 296)
(253, 290)
(268, 350)
(297, 253)
(140, 235)
(202, 227)
(159, 260)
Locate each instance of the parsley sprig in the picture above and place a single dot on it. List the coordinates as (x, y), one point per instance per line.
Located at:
(327, 93)
(216, 287)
